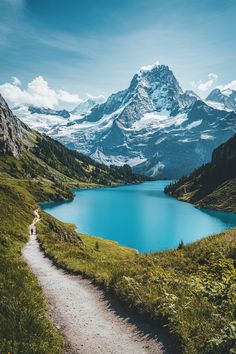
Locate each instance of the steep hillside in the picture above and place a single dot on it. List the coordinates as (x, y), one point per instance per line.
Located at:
(212, 185)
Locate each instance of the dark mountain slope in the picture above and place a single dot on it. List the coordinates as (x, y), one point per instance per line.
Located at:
(212, 185)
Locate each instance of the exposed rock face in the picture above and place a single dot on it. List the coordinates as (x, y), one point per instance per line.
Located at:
(11, 131)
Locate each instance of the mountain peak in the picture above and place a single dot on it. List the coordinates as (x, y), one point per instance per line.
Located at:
(157, 75)
(155, 71)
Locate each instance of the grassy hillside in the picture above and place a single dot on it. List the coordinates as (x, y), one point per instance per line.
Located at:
(212, 185)
(24, 326)
(51, 164)
(191, 290)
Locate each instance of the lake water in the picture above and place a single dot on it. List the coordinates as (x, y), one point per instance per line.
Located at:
(140, 216)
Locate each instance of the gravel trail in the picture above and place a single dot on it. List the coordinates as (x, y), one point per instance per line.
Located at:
(89, 322)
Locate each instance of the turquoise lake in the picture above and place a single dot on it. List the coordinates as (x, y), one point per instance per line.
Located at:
(140, 216)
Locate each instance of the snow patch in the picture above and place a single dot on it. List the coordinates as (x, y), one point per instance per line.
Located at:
(117, 160)
(194, 124)
(154, 171)
(158, 120)
(217, 105)
(205, 136)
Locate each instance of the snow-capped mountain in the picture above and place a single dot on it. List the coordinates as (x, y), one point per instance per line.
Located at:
(39, 119)
(225, 99)
(47, 119)
(85, 106)
(153, 125)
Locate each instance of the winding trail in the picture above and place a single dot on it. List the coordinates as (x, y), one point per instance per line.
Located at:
(89, 322)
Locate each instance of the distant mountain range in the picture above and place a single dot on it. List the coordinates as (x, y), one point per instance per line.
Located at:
(153, 125)
(226, 99)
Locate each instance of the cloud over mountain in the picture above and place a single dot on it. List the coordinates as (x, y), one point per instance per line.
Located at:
(37, 93)
(204, 86)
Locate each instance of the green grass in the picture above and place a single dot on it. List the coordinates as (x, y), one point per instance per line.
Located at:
(191, 290)
(24, 325)
(94, 257)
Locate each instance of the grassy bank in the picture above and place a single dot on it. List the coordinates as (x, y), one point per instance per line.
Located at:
(191, 290)
(24, 325)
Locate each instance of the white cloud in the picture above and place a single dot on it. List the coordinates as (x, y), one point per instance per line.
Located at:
(16, 81)
(99, 99)
(149, 67)
(231, 86)
(203, 86)
(37, 93)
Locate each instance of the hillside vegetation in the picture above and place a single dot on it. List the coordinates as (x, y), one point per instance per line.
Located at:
(191, 290)
(24, 325)
(212, 185)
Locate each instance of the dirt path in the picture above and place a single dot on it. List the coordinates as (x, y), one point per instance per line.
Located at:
(89, 322)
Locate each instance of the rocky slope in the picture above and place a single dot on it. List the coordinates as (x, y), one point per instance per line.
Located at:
(213, 185)
(153, 126)
(12, 131)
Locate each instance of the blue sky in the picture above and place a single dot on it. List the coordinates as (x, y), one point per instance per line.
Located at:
(95, 46)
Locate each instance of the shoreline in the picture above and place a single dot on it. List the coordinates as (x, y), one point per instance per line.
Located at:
(123, 244)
